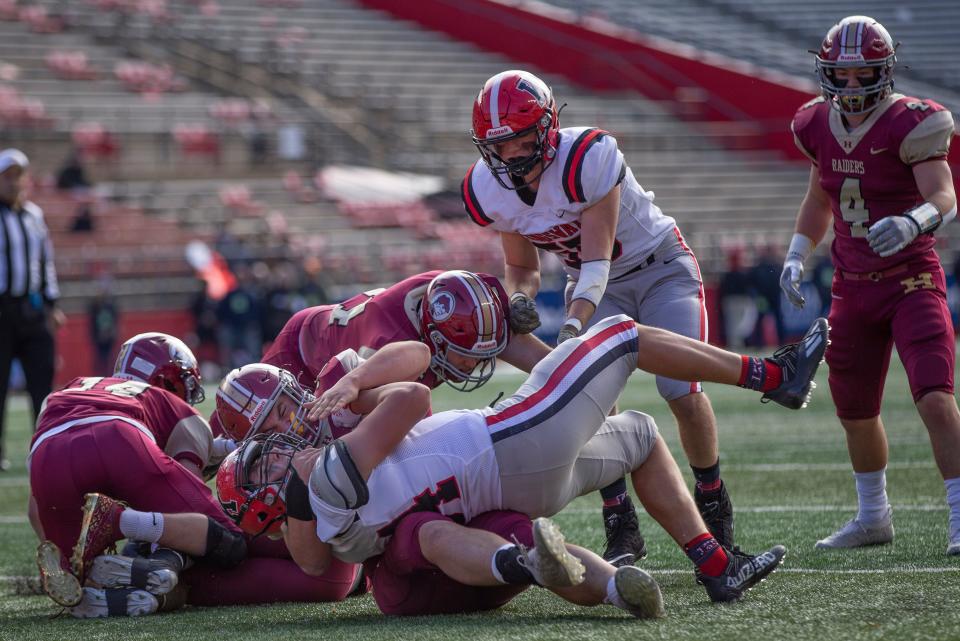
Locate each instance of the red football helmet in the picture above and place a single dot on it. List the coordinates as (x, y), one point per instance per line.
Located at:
(856, 41)
(248, 395)
(460, 314)
(513, 104)
(252, 481)
(163, 361)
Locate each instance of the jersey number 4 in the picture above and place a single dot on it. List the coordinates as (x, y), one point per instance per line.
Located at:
(447, 490)
(853, 209)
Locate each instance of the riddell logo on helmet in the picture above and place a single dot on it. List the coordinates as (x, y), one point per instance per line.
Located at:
(257, 411)
(499, 131)
(850, 57)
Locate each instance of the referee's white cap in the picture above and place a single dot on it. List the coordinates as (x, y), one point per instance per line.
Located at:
(11, 157)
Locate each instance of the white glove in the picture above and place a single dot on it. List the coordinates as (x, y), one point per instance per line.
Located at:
(790, 279)
(891, 234)
(523, 314)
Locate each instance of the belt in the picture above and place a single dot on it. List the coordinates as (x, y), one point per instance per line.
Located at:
(874, 276)
(651, 259)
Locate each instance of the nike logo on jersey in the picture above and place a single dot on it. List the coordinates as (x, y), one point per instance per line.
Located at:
(874, 152)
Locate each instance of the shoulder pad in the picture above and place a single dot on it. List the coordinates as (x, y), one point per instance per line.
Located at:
(470, 201)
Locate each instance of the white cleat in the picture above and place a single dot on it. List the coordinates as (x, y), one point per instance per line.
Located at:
(640, 592)
(855, 535)
(114, 602)
(116, 571)
(551, 565)
(58, 583)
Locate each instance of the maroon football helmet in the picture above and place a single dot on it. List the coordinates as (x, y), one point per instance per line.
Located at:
(461, 314)
(252, 481)
(513, 104)
(248, 395)
(856, 41)
(163, 361)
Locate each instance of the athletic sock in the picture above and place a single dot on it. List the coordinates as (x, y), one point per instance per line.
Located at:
(615, 494)
(760, 374)
(872, 497)
(708, 478)
(953, 500)
(613, 596)
(508, 568)
(141, 526)
(707, 554)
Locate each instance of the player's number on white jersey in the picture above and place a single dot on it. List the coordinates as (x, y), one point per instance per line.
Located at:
(853, 209)
(341, 315)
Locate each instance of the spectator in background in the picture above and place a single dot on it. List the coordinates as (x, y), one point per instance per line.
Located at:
(72, 176)
(765, 280)
(82, 218)
(737, 302)
(28, 289)
(104, 319)
(239, 321)
(281, 299)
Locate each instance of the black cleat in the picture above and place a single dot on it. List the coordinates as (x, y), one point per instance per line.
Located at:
(717, 512)
(799, 363)
(743, 571)
(625, 544)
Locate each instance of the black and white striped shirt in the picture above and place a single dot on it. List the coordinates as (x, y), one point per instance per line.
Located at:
(26, 254)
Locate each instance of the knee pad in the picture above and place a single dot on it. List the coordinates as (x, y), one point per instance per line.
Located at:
(225, 548)
(336, 481)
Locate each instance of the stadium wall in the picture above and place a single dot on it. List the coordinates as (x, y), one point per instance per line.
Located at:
(695, 85)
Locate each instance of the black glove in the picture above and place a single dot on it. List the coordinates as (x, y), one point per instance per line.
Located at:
(523, 314)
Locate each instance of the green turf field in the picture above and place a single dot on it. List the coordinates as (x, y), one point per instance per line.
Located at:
(790, 481)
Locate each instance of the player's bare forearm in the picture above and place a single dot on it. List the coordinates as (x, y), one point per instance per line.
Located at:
(524, 351)
(398, 407)
(815, 214)
(521, 265)
(935, 184)
(402, 361)
(582, 310)
(599, 227)
(311, 555)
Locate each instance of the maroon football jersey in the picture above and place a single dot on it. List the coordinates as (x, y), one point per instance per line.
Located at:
(868, 172)
(176, 426)
(370, 320)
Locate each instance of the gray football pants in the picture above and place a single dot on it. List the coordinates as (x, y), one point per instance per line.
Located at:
(554, 440)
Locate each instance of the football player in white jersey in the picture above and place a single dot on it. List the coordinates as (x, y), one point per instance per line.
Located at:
(532, 453)
(570, 192)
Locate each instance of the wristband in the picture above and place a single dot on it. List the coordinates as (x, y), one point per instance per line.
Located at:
(574, 323)
(926, 217)
(800, 248)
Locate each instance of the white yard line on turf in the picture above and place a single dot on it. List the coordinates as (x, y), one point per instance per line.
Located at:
(763, 509)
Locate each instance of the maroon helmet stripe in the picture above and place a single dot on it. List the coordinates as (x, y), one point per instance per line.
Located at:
(470, 202)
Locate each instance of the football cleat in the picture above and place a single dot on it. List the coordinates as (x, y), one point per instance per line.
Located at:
(157, 574)
(743, 572)
(640, 592)
(855, 534)
(953, 548)
(114, 602)
(549, 562)
(625, 544)
(57, 580)
(99, 531)
(799, 363)
(717, 512)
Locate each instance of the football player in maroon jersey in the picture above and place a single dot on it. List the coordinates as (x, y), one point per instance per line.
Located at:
(880, 174)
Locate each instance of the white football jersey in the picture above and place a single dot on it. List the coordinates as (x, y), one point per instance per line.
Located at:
(587, 166)
(445, 464)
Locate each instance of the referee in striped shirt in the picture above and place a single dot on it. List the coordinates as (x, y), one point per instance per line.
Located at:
(28, 289)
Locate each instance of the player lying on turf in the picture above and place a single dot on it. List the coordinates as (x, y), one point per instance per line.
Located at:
(533, 453)
(102, 437)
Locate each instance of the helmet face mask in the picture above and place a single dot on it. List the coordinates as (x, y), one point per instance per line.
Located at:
(262, 399)
(514, 104)
(855, 43)
(461, 316)
(252, 481)
(163, 361)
